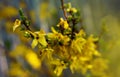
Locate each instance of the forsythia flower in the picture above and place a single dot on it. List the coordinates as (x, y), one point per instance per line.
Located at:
(60, 66)
(80, 34)
(99, 66)
(39, 37)
(17, 71)
(58, 36)
(63, 23)
(33, 60)
(16, 24)
(71, 9)
(74, 10)
(90, 47)
(73, 64)
(78, 44)
(55, 34)
(79, 63)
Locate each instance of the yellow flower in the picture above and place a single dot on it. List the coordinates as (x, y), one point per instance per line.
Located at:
(34, 43)
(58, 70)
(69, 5)
(77, 44)
(74, 10)
(33, 60)
(63, 23)
(8, 11)
(60, 66)
(39, 37)
(16, 24)
(70, 9)
(53, 30)
(55, 34)
(58, 36)
(99, 67)
(91, 46)
(20, 50)
(16, 70)
(81, 34)
(78, 63)
(73, 65)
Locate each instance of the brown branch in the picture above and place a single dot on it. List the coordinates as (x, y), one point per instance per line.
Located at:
(64, 12)
(73, 29)
(25, 24)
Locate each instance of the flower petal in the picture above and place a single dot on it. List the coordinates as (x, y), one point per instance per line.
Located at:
(16, 24)
(34, 43)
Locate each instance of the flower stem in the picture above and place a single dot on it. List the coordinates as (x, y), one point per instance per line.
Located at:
(73, 29)
(24, 19)
(64, 12)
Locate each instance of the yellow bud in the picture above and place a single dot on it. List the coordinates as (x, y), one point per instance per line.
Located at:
(74, 10)
(16, 24)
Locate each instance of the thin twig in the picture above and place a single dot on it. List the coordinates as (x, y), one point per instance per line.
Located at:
(73, 29)
(64, 12)
(24, 19)
(27, 27)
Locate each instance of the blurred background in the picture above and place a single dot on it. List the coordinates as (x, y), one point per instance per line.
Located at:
(100, 17)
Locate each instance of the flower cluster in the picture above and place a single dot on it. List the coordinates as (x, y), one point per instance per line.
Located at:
(64, 47)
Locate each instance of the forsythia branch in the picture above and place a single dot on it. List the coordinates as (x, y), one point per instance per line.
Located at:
(64, 11)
